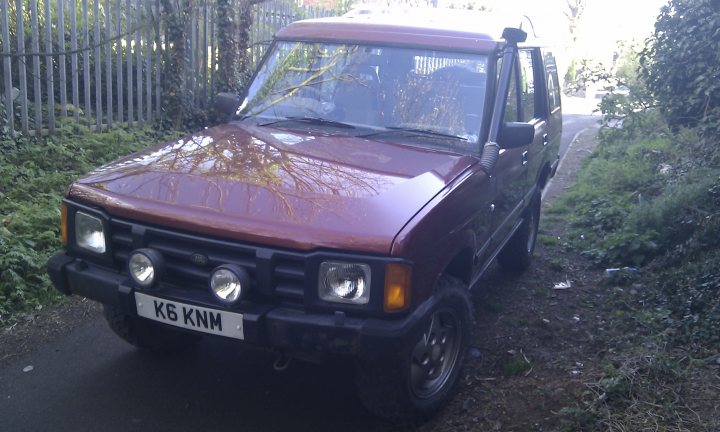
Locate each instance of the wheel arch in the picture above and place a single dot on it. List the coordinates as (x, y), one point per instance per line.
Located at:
(460, 266)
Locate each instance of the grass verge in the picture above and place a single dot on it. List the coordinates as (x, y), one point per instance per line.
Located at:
(645, 200)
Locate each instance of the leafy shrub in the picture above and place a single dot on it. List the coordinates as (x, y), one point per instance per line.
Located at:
(689, 277)
(681, 64)
(615, 187)
(4, 127)
(34, 173)
(633, 202)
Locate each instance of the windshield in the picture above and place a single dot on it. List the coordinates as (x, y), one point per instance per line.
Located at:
(372, 87)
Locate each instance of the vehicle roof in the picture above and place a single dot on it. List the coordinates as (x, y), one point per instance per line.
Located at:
(437, 28)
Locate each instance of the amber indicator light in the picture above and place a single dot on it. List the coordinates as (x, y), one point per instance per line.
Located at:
(63, 223)
(397, 287)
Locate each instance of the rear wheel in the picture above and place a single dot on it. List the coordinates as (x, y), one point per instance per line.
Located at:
(424, 376)
(147, 335)
(516, 256)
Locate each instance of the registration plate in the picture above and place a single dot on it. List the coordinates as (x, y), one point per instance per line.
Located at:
(192, 317)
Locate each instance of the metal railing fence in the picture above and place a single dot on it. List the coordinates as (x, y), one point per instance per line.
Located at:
(99, 61)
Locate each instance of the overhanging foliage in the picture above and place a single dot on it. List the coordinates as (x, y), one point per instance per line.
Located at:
(681, 64)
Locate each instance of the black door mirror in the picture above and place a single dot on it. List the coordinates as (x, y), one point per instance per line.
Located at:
(516, 134)
(227, 103)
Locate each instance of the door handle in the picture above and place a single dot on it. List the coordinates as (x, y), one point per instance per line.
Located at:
(525, 157)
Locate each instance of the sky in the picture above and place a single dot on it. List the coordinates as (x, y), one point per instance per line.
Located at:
(603, 23)
(619, 17)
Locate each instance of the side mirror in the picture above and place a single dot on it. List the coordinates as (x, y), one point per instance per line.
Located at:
(227, 103)
(516, 134)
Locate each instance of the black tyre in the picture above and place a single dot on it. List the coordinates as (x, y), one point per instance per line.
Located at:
(416, 383)
(516, 256)
(147, 335)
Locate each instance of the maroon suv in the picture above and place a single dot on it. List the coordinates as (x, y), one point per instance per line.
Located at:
(369, 175)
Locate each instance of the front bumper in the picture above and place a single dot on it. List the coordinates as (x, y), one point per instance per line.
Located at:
(267, 325)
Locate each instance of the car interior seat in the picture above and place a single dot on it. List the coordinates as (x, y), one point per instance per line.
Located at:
(357, 95)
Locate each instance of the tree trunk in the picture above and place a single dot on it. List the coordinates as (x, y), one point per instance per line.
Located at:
(229, 51)
(246, 23)
(177, 103)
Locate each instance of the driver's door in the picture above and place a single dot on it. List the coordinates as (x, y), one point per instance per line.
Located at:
(511, 170)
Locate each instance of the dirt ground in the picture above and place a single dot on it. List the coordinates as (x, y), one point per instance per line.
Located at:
(43, 326)
(537, 342)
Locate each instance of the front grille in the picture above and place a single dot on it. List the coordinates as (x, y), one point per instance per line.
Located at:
(275, 273)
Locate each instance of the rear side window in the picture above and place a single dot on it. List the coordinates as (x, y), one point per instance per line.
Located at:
(527, 96)
(527, 86)
(552, 82)
(511, 107)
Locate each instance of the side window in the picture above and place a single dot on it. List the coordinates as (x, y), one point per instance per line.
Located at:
(511, 107)
(527, 86)
(552, 82)
(552, 92)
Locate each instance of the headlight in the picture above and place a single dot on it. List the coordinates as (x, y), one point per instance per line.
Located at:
(343, 282)
(229, 283)
(89, 232)
(144, 266)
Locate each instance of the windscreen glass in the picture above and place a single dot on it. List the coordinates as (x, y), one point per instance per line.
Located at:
(373, 88)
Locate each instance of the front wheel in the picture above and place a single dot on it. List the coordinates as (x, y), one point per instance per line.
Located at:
(424, 375)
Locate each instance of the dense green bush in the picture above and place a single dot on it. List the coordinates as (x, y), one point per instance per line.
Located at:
(4, 128)
(689, 273)
(638, 197)
(681, 64)
(34, 174)
(617, 183)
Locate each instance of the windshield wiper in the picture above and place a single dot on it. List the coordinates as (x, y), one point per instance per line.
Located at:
(310, 120)
(413, 131)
